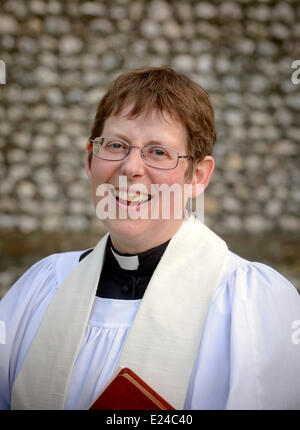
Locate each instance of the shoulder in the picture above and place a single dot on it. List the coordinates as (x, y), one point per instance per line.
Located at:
(256, 287)
(42, 278)
(245, 277)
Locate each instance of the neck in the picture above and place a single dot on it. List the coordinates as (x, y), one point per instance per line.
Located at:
(138, 245)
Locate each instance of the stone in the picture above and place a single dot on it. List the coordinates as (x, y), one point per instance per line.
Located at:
(184, 11)
(234, 161)
(16, 156)
(263, 193)
(273, 208)
(70, 45)
(231, 204)
(110, 61)
(289, 223)
(161, 46)
(38, 7)
(171, 29)
(159, 10)
(260, 118)
(211, 205)
(8, 222)
(245, 46)
(48, 43)
(75, 223)
(135, 10)
(198, 46)
(280, 31)
(253, 163)
(205, 10)
(286, 147)
(19, 171)
(57, 25)
(204, 63)
(8, 42)
(258, 84)
(234, 117)
(117, 12)
(271, 133)
(183, 63)
(50, 191)
(40, 158)
(54, 7)
(44, 76)
(257, 224)
(93, 8)
(42, 176)
(101, 25)
(293, 101)
(259, 13)
(207, 30)
(26, 189)
(283, 12)
(51, 224)
(54, 96)
(267, 48)
(150, 29)
(8, 24)
(222, 64)
(283, 117)
(27, 224)
(233, 224)
(188, 31)
(293, 133)
(179, 46)
(230, 82)
(230, 10)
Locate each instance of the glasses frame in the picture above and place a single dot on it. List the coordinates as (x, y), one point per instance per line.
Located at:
(93, 142)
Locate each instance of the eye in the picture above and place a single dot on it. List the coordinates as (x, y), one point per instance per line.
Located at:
(115, 145)
(157, 151)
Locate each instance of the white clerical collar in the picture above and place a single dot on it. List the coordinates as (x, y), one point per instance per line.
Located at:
(127, 262)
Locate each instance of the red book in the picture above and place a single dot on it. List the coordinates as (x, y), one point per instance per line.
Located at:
(129, 392)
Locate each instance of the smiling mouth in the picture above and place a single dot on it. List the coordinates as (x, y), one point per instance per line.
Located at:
(131, 199)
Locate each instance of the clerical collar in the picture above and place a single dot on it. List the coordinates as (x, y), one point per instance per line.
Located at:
(126, 284)
(140, 262)
(126, 262)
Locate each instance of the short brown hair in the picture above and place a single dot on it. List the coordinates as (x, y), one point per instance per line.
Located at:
(164, 90)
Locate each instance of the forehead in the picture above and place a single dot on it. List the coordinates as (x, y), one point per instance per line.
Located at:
(161, 126)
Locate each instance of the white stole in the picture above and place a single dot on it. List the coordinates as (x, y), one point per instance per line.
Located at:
(164, 338)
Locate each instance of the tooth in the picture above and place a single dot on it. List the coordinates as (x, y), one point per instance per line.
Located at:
(132, 197)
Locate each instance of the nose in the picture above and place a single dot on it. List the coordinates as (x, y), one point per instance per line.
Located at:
(133, 164)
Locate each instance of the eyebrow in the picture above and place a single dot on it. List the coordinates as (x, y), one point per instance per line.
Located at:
(152, 141)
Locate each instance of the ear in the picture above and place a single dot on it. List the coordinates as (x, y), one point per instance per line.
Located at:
(201, 176)
(88, 149)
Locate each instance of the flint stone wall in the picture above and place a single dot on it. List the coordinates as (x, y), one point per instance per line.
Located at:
(60, 57)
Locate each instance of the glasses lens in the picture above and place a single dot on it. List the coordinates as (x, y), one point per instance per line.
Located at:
(161, 157)
(110, 148)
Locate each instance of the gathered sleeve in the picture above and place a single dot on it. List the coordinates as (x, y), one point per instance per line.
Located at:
(264, 351)
(21, 311)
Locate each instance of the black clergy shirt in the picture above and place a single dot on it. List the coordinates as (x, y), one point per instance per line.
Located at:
(118, 282)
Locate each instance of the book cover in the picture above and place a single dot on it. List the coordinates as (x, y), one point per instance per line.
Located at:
(127, 391)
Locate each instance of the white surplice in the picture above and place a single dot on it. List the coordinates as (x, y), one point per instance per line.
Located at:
(249, 356)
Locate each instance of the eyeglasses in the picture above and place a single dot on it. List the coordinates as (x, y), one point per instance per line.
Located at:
(157, 156)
